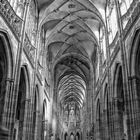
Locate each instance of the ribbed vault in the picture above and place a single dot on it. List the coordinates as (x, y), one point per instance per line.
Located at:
(72, 28)
(71, 76)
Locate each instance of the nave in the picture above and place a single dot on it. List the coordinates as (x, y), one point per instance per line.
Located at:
(69, 70)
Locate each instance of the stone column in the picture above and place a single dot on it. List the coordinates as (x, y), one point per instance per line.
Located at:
(7, 102)
(101, 123)
(97, 130)
(113, 104)
(135, 88)
(111, 120)
(89, 105)
(105, 125)
(26, 121)
(17, 71)
(117, 129)
(38, 124)
(29, 121)
(125, 72)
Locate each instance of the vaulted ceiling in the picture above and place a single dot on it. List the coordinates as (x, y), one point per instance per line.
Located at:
(72, 28)
(46, 3)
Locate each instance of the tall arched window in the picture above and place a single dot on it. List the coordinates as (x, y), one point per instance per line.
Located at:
(6, 74)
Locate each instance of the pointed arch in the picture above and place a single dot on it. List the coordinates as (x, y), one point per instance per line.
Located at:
(6, 47)
(119, 100)
(6, 75)
(66, 136)
(22, 103)
(36, 107)
(134, 53)
(77, 136)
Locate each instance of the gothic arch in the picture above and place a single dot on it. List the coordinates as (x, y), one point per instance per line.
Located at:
(86, 75)
(6, 72)
(134, 67)
(35, 111)
(119, 99)
(119, 93)
(77, 136)
(66, 136)
(115, 78)
(75, 68)
(27, 76)
(82, 58)
(71, 137)
(22, 103)
(134, 53)
(6, 47)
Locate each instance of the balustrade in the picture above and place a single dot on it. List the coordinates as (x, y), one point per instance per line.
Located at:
(9, 15)
(29, 50)
(131, 15)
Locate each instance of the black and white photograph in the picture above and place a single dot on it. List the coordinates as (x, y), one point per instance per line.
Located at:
(69, 69)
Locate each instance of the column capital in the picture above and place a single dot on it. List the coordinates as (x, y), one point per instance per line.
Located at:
(37, 111)
(9, 80)
(27, 2)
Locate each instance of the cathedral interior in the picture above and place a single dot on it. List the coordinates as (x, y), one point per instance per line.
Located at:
(69, 69)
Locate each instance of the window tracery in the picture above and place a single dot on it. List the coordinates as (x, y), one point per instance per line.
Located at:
(111, 20)
(123, 6)
(103, 44)
(32, 22)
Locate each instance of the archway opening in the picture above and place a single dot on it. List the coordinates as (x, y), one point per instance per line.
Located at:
(20, 111)
(120, 103)
(77, 136)
(65, 136)
(71, 136)
(3, 75)
(135, 78)
(71, 76)
(137, 70)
